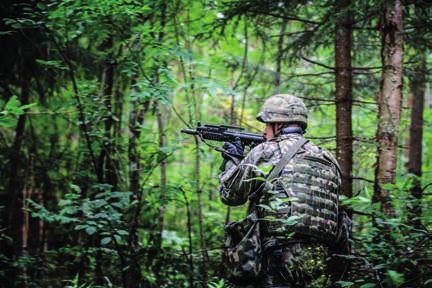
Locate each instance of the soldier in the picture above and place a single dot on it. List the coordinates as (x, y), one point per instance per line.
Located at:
(299, 210)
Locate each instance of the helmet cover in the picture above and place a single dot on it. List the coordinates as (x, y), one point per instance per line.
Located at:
(283, 108)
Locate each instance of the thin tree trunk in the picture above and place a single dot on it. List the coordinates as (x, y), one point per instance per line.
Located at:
(406, 147)
(232, 109)
(198, 190)
(414, 166)
(83, 125)
(389, 102)
(117, 129)
(190, 97)
(245, 61)
(157, 241)
(106, 171)
(156, 237)
(344, 147)
(27, 193)
(197, 168)
(211, 197)
(136, 120)
(189, 232)
(16, 223)
(118, 111)
(279, 56)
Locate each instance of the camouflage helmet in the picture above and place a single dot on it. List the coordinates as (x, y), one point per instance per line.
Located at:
(283, 108)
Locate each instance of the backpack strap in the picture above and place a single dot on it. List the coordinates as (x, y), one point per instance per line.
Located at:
(286, 158)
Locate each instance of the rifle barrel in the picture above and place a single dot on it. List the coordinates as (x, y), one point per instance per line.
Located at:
(189, 131)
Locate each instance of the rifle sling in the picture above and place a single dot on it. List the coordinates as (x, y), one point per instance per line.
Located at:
(286, 158)
(276, 171)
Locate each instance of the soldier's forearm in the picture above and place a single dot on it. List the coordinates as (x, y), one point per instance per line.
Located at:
(232, 189)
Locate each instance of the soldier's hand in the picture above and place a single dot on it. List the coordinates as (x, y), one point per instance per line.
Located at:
(233, 149)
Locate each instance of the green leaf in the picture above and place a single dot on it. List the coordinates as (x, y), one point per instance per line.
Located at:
(265, 169)
(265, 207)
(396, 277)
(64, 202)
(122, 232)
(379, 266)
(80, 227)
(90, 230)
(345, 283)
(13, 104)
(7, 122)
(105, 241)
(75, 188)
(292, 220)
(368, 285)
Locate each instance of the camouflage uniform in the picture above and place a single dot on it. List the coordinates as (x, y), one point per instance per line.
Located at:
(300, 208)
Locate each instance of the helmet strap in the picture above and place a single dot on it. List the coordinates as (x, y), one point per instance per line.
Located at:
(276, 130)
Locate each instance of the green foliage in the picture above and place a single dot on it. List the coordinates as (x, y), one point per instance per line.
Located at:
(11, 111)
(102, 214)
(388, 249)
(74, 283)
(345, 283)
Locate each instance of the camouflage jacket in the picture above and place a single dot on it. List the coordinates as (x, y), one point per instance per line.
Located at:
(308, 189)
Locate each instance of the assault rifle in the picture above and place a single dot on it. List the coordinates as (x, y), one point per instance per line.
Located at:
(225, 133)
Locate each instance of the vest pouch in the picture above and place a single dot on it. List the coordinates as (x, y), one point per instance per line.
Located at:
(243, 252)
(276, 212)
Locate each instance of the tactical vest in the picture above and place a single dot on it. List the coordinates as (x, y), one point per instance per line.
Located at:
(303, 201)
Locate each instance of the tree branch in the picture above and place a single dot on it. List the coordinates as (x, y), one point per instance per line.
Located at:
(362, 179)
(317, 63)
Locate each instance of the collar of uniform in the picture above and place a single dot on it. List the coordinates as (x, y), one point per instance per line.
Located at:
(286, 136)
(291, 130)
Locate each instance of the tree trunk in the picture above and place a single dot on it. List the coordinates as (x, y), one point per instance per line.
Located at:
(155, 238)
(406, 147)
(27, 193)
(189, 233)
(198, 190)
(389, 102)
(344, 147)
(16, 223)
(118, 112)
(157, 241)
(136, 120)
(106, 171)
(279, 55)
(418, 88)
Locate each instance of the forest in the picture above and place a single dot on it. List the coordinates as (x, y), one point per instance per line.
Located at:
(99, 187)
